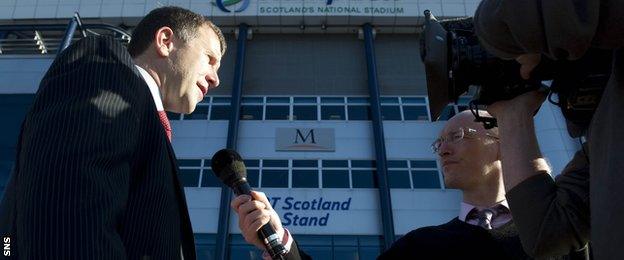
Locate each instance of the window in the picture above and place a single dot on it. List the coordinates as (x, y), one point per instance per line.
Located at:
(332, 112)
(399, 179)
(335, 178)
(391, 113)
(274, 178)
(335, 163)
(275, 163)
(200, 113)
(301, 112)
(253, 177)
(274, 112)
(251, 112)
(359, 113)
(305, 179)
(209, 179)
(425, 179)
(364, 178)
(415, 113)
(189, 177)
(220, 112)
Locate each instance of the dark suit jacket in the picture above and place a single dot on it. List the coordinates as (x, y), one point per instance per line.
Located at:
(95, 176)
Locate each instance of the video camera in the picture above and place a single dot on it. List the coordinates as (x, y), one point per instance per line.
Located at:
(454, 60)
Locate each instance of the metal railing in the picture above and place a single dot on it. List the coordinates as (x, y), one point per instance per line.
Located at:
(52, 38)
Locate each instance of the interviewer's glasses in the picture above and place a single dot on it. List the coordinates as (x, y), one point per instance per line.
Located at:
(455, 137)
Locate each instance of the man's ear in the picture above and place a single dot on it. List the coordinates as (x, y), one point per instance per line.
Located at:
(164, 41)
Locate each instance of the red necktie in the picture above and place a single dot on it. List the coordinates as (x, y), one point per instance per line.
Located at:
(165, 123)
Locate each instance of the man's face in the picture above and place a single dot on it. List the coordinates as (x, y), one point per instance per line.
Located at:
(468, 161)
(192, 71)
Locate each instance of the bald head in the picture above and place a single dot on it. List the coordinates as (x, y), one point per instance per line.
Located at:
(466, 119)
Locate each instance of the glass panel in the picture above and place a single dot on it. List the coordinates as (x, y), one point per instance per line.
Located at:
(304, 113)
(305, 163)
(415, 113)
(359, 112)
(278, 100)
(413, 100)
(220, 113)
(332, 100)
(335, 163)
(390, 113)
(399, 179)
(206, 100)
(397, 164)
(335, 179)
(189, 177)
(252, 100)
(275, 178)
(249, 112)
(305, 100)
(447, 113)
(173, 116)
(364, 178)
(189, 162)
(209, 179)
(275, 163)
(423, 164)
(389, 100)
(374, 241)
(252, 178)
(425, 179)
(225, 100)
(461, 108)
(358, 100)
(277, 112)
(332, 113)
(251, 163)
(363, 164)
(200, 113)
(305, 179)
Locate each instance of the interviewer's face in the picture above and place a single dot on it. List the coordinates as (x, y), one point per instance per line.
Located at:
(192, 71)
(468, 162)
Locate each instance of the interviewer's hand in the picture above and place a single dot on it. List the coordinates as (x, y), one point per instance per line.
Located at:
(518, 108)
(253, 214)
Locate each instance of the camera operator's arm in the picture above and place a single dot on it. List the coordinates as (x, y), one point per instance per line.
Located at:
(552, 217)
(253, 214)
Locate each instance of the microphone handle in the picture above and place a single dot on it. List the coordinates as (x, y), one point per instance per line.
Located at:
(268, 236)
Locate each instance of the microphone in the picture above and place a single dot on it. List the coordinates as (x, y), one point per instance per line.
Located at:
(228, 165)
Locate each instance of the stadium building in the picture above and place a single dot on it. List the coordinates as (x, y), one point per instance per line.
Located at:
(324, 99)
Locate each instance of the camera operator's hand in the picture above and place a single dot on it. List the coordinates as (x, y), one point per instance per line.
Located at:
(253, 214)
(528, 62)
(520, 107)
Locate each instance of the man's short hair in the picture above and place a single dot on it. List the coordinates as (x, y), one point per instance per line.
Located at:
(183, 22)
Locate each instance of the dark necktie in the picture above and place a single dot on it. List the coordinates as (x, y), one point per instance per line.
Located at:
(485, 216)
(165, 123)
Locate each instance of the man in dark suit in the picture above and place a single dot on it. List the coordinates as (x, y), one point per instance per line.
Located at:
(484, 228)
(95, 175)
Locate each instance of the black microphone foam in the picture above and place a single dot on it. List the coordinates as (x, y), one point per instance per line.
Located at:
(228, 165)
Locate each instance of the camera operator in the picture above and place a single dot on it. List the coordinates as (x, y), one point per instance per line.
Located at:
(554, 216)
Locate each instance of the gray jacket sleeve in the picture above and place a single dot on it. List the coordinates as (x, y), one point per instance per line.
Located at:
(561, 29)
(552, 216)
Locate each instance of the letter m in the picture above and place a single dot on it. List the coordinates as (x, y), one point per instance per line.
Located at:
(304, 139)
